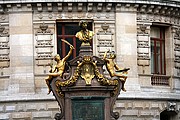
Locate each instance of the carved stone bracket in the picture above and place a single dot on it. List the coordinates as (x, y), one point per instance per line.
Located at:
(43, 28)
(172, 106)
(3, 31)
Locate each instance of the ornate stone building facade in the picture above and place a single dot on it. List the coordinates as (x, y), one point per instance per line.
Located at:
(144, 33)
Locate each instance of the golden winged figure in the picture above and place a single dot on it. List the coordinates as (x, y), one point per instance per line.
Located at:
(59, 68)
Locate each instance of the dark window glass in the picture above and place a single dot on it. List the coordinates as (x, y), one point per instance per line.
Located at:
(68, 31)
(157, 50)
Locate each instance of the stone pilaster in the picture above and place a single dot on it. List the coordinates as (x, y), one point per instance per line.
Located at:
(21, 42)
(126, 43)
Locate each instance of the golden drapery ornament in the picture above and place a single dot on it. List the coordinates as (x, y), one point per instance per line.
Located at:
(86, 62)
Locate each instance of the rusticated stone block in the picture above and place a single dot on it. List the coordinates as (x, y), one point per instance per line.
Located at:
(1, 108)
(10, 108)
(41, 106)
(146, 105)
(42, 114)
(129, 105)
(129, 113)
(20, 107)
(154, 105)
(4, 116)
(21, 115)
(53, 106)
(31, 107)
(139, 105)
(120, 105)
(147, 113)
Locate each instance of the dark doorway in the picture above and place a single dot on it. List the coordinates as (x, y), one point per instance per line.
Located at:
(168, 115)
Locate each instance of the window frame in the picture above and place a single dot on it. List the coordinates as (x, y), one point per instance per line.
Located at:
(162, 60)
(62, 49)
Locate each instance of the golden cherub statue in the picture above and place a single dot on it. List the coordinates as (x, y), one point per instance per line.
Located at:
(84, 35)
(111, 66)
(58, 69)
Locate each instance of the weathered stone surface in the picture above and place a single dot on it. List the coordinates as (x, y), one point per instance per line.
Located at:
(10, 108)
(4, 116)
(17, 83)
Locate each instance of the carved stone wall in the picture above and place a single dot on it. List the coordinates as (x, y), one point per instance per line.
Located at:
(105, 39)
(4, 48)
(4, 53)
(147, 16)
(27, 44)
(43, 47)
(177, 47)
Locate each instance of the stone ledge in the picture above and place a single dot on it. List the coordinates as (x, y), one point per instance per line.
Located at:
(123, 95)
(130, 1)
(30, 97)
(149, 95)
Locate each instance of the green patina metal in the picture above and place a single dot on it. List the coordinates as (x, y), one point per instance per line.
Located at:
(88, 109)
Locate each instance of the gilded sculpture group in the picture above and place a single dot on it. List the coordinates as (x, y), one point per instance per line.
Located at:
(85, 36)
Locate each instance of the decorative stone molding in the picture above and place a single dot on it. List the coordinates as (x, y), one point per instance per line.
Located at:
(99, 7)
(1, 9)
(39, 7)
(156, 9)
(143, 46)
(172, 107)
(44, 45)
(142, 29)
(105, 38)
(18, 5)
(80, 7)
(49, 7)
(43, 28)
(70, 7)
(4, 48)
(3, 31)
(59, 5)
(176, 31)
(108, 7)
(90, 7)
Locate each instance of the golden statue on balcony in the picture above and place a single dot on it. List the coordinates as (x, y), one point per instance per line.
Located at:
(111, 66)
(58, 69)
(85, 35)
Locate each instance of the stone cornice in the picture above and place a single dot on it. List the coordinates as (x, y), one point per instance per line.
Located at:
(157, 2)
(168, 8)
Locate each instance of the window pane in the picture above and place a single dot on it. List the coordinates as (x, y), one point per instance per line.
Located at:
(158, 57)
(71, 29)
(78, 42)
(59, 29)
(157, 50)
(67, 31)
(152, 57)
(155, 32)
(163, 58)
(70, 40)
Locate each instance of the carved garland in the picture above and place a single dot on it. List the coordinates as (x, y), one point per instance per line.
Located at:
(101, 79)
